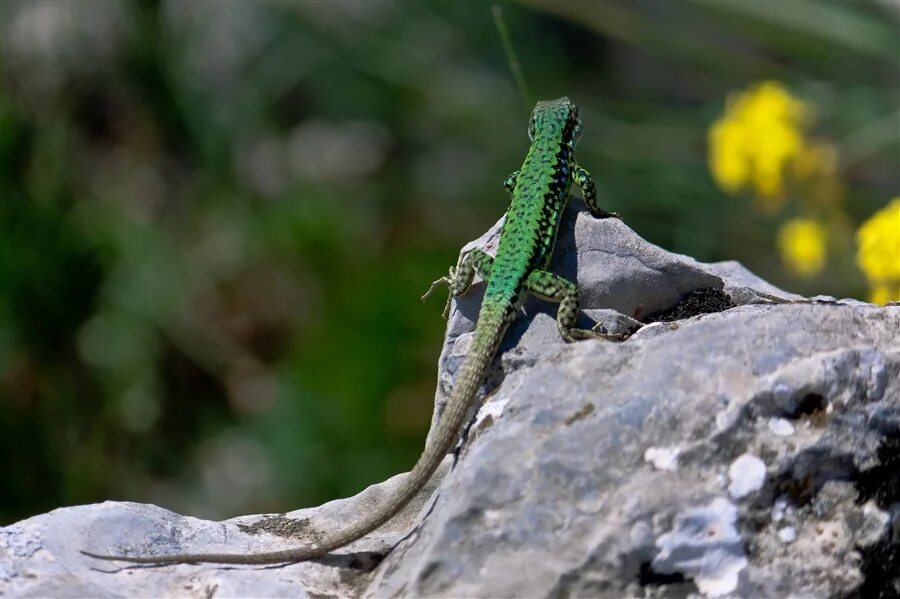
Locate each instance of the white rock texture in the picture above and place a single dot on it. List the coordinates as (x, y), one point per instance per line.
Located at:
(747, 475)
(550, 493)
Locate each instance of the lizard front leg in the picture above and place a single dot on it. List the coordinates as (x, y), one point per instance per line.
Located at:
(554, 288)
(584, 180)
(460, 277)
(509, 184)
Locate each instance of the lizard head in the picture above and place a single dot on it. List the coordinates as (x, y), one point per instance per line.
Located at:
(556, 114)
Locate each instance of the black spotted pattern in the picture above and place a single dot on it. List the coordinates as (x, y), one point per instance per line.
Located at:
(539, 198)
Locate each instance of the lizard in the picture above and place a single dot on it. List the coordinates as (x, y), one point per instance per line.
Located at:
(540, 193)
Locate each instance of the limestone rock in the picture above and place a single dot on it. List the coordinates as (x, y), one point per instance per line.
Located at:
(736, 445)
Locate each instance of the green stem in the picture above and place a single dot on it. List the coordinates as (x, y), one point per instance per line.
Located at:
(511, 57)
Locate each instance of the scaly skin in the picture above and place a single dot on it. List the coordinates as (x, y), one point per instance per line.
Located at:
(540, 191)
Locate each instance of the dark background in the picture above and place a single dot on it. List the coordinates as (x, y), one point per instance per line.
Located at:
(217, 218)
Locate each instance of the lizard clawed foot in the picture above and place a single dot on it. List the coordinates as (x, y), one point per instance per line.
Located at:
(582, 334)
(448, 281)
(434, 286)
(598, 331)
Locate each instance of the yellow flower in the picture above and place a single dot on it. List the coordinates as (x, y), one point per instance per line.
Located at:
(801, 242)
(878, 253)
(728, 162)
(773, 153)
(757, 139)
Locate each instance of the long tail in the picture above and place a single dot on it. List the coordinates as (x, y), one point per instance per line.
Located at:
(490, 328)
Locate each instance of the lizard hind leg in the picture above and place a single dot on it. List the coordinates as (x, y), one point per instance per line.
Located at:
(584, 180)
(459, 279)
(554, 288)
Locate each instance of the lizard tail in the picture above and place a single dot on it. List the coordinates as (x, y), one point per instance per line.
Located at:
(489, 331)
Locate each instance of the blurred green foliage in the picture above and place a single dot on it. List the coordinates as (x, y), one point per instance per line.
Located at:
(217, 218)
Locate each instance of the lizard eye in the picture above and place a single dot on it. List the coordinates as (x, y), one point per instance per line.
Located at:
(531, 129)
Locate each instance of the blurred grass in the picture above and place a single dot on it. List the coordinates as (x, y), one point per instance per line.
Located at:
(216, 219)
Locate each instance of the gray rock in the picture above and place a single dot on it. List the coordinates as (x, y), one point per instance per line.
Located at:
(593, 469)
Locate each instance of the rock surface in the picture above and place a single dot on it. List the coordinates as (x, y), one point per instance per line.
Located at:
(736, 446)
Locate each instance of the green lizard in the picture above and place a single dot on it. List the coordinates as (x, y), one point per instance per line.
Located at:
(540, 191)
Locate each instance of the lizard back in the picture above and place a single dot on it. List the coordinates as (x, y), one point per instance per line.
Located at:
(539, 198)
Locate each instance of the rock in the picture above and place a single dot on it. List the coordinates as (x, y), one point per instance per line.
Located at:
(591, 469)
(41, 559)
(705, 546)
(747, 475)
